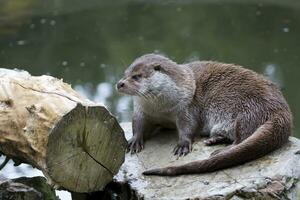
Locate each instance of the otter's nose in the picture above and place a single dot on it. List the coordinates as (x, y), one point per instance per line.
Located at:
(120, 84)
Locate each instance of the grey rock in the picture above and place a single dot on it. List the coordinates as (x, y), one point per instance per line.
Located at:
(275, 176)
(24, 188)
(14, 190)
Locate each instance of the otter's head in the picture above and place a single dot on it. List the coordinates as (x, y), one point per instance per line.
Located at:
(152, 76)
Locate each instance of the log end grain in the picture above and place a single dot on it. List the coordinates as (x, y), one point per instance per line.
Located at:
(85, 149)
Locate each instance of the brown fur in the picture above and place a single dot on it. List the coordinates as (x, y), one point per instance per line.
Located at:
(224, 101)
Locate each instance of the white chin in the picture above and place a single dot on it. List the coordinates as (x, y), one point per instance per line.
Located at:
(126, 92)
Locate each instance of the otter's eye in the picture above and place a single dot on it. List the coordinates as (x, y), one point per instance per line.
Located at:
(157, 67)
(136, 77)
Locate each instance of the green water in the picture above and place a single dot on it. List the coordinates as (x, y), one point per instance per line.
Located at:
(90, 43)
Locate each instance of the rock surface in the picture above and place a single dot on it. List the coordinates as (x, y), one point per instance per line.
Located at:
(275, 176)
(24, 188)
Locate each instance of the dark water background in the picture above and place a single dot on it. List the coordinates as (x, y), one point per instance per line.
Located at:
(90, 43)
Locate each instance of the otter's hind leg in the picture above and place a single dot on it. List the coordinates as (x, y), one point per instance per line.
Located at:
(221, 150)
(237, 139)
(217, 139)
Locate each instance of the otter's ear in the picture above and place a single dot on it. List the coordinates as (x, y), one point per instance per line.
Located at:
(157, 67)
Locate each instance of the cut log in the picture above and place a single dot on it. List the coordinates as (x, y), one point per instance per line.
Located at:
(75, 142)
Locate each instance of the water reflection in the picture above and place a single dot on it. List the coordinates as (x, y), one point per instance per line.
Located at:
(90, 43)
(124, 108)
(274, 73)
(103, 94)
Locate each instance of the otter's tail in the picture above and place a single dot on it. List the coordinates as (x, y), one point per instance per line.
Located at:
(268, 137)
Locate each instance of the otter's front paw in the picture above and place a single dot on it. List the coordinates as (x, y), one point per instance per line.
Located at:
(135, 145)
(183, 148)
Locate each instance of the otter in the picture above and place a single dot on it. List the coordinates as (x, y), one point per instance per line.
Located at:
(226, 102)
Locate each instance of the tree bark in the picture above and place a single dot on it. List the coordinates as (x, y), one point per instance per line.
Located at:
(77, 143)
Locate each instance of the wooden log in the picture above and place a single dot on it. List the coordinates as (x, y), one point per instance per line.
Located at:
(76, 143)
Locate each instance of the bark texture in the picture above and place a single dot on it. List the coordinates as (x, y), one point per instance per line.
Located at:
(77, 143)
